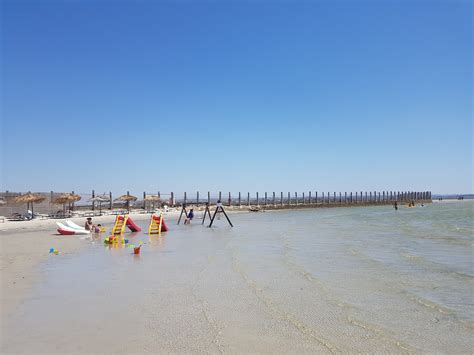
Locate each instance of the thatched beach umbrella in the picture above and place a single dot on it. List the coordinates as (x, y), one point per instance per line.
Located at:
(74, 197)
(153, 199)
(62, 200)
(66, 198)
(100, 200)
(29, 198)
(127, 198)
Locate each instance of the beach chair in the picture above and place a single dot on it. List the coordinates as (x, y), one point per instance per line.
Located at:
(16, 217)
(59, 215)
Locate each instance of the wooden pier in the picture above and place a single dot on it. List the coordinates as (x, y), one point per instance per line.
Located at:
(310, 199)
(237, 200)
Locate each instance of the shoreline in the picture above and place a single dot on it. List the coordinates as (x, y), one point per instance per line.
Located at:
(48, 223)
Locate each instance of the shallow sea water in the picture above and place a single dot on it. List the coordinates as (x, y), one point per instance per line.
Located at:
(336, 280)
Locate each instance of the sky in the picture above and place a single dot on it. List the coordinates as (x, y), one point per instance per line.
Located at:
(236, 96)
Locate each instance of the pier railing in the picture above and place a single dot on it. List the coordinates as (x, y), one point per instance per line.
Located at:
(303, 199)
(266, 200)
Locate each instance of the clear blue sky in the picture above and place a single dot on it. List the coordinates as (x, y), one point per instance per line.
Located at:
(246, 95)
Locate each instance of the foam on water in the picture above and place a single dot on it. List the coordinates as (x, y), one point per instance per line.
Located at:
(327, 280)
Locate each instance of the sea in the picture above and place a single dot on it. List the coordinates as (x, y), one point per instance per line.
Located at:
(324, 280)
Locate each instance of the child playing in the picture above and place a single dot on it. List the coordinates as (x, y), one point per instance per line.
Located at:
(97, 228)
(189, 217)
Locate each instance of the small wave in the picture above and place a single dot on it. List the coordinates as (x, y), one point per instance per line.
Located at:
(380, 333)
(431, 266)
(428, 304)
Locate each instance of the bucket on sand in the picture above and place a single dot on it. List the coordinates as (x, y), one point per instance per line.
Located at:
(136, 250)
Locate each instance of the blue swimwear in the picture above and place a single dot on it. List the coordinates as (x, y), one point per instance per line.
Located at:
(191, 215)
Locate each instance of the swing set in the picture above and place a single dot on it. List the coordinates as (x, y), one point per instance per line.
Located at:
(219, 209)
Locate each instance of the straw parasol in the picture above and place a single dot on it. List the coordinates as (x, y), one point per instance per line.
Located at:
(61, 200)
(153, 199)
(126, 198)
(66, 198)
(29, 198)
(74, 197)
(100, 200)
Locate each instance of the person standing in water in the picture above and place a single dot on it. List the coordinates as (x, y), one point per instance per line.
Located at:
(189, 217)
(395, 205)
(89, 226)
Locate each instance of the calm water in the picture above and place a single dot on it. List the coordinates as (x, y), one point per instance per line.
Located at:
(327, 280)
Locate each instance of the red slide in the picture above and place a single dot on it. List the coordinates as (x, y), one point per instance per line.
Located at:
(132, 226)
(164, 227)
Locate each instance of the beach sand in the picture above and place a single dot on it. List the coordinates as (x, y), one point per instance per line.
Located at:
(24, 245)
(279, 282)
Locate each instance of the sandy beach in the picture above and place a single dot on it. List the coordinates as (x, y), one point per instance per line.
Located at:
(280, 281)
(26, 244)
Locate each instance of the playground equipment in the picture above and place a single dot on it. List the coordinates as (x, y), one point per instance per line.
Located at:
(121, 222)
(74, 225)
(119, 226)
(206, 212)
(157, 225)
(97, 229)
(183, 210)
(219, 209)
(69, 230)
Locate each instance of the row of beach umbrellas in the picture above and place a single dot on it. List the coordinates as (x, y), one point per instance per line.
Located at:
(29, 198)
(68, 198)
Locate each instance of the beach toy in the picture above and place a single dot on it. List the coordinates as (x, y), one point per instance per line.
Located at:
(56, 251)
(51, 250)
(136, 250)
(126, 241)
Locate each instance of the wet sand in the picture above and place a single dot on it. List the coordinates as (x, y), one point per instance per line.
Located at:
(24, 247)
(283, 281)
